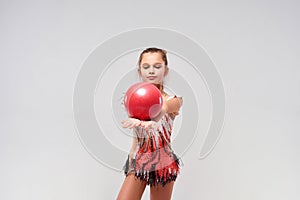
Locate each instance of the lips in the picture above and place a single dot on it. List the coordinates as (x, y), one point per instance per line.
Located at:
(151, 77)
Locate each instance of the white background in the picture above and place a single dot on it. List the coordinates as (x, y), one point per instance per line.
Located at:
(254, 45)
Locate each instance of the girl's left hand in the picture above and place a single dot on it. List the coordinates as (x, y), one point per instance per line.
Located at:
(149, 124)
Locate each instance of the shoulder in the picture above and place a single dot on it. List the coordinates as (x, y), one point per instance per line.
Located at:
(173, 104)
(174, 97)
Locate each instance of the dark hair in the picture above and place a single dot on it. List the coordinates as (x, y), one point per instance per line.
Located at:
(154, 50)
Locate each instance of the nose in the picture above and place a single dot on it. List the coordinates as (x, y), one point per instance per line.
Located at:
(151, 70)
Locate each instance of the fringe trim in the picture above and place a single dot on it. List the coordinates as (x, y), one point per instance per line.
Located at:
(154, 177)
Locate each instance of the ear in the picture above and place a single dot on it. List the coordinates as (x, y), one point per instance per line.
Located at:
(139, 72)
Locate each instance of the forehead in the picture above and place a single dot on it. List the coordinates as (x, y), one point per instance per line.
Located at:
(152, 58)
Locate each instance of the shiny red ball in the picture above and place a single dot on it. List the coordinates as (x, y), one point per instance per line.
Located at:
(143, 101)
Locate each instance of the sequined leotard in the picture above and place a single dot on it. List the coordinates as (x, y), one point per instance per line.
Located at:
(152, 158)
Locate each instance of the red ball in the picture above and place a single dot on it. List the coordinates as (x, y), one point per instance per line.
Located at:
(143, 101)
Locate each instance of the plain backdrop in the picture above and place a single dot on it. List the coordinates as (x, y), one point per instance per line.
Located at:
(254, 45)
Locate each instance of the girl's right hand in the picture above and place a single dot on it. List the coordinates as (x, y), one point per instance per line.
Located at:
(131, 122)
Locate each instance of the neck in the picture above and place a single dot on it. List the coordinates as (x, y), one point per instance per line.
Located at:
(160, 87)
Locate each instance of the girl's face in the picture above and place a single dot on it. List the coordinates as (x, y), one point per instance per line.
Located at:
(152, 68)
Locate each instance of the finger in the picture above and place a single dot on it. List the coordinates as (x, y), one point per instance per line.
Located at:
(125, 125)
(131, 125)
(142, 124)
(124, 121)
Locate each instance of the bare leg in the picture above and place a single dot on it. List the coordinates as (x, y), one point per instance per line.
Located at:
(132, 188)
(161, 193)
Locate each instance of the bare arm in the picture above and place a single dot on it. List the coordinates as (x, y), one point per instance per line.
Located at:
(169, 106)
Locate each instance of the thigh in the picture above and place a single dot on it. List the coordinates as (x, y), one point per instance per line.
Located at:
(161, 193)
(132, 188)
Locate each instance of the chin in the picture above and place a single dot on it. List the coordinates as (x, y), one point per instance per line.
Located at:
(153, 82)
(150, 81)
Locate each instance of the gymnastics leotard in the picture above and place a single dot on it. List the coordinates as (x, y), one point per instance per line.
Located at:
(152, 159)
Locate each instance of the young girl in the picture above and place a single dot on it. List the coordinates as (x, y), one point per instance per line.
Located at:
(151, 160)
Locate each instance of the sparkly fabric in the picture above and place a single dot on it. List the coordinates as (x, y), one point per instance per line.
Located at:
(153, 159)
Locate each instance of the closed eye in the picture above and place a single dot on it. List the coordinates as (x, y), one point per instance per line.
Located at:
(157, 66)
